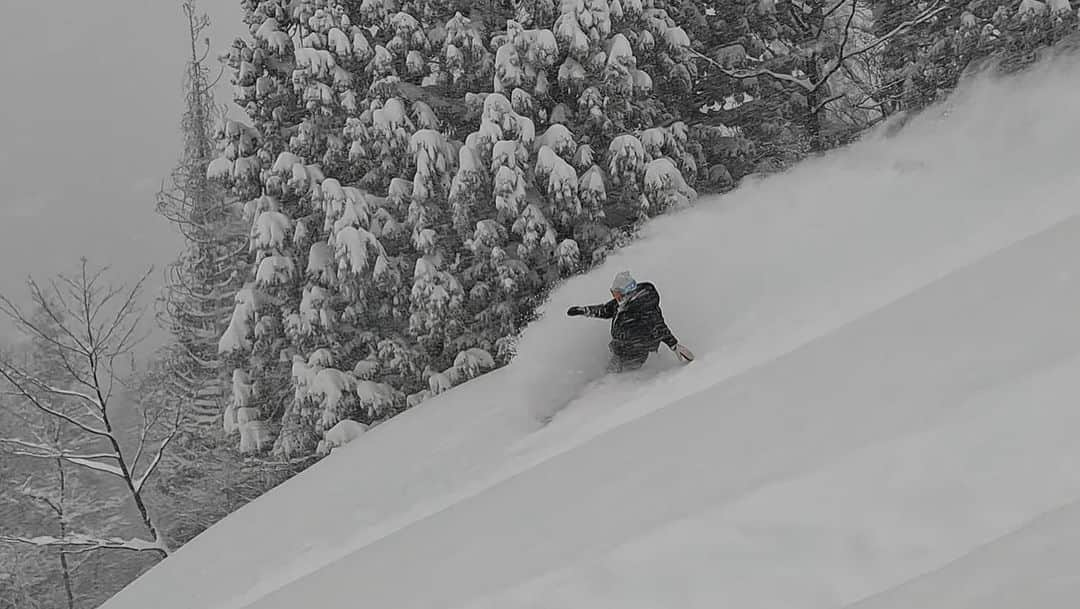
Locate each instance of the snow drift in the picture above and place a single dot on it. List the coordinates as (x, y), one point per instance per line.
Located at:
(882, 413)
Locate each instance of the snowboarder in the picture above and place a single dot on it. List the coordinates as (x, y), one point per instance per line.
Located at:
(637, 325)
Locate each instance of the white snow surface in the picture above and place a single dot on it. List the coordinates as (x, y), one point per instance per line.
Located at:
(882, 415)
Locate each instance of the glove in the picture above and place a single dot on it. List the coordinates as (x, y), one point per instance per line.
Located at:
(575, 311)
(683, 353)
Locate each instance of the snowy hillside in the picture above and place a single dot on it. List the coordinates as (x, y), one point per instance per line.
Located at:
(883, 413)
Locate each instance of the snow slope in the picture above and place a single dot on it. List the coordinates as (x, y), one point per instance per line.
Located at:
(882, 414)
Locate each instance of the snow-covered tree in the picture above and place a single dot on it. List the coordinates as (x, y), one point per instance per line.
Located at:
(799, 76)
(924, 62)
(335, 235)
(404, 208)
(567, 152)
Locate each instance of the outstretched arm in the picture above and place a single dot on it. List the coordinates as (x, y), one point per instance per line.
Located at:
(663, 332)
(601, 311)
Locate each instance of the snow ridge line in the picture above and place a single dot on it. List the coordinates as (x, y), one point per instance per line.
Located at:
(986, 545)
(532, 459)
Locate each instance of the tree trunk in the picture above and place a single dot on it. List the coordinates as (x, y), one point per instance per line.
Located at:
(813, 109)
(64, 568)
(128, 475)
(813, 72)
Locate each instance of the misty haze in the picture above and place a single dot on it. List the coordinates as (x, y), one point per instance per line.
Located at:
(544, 303)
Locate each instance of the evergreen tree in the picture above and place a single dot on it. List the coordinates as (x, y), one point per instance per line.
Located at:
(924, 62)
(406, 216)
(202, 282)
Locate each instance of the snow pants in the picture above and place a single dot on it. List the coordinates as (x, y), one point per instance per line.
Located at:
(626, 360)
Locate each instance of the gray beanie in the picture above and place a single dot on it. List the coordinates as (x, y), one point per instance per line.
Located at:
(624, 283)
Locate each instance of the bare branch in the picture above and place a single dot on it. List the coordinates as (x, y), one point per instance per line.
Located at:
(27, 490)
(142, 442)
(745, 74)
(161, 450)
(122, 317)
(821, 105)
(832, 10)
(9, 309)
(840, 55)
(931, 11)
(217, 79)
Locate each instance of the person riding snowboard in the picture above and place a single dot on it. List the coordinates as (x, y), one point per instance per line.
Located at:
(637, 325)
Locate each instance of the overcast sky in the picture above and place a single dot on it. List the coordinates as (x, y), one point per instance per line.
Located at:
(89, 128)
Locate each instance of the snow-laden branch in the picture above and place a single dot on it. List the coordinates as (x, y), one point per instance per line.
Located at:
(49, 452)
(43, 451)
(97, 466)
(4, 372)
(71, 393)
(745, 74)
(86, 542)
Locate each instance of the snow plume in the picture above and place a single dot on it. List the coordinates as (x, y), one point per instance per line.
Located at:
(959, 154)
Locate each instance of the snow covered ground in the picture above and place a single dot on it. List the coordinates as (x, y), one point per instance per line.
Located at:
(883, 413)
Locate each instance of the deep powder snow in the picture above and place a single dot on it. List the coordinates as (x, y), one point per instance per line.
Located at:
(882, 414)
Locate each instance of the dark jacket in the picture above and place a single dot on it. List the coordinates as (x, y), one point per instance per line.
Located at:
(638, 326)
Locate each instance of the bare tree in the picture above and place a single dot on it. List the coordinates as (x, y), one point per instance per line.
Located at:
(56, 503)
(88, 328)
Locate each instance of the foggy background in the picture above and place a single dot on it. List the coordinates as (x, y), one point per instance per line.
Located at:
(90, 127)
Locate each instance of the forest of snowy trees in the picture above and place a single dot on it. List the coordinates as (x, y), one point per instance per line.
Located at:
(392, 191)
